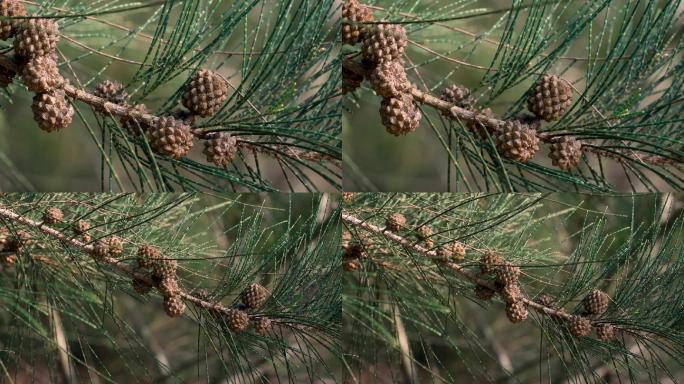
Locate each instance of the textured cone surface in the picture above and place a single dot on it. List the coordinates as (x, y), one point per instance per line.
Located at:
(147, 255)
(141, 286)
(508, 274)
(566, 152)
(579, 326)
(546, 301)
(80, 227)
(517, 141)
(511, 293)
(6, 76)
(605, 332)
(111, 91)
(458, 96)
(164, 268)
(351, 81)
(395, 222)
(36, 37)
(351, 265)
(168, 286)
(40, 74)
(454, 251)
(389, 79)
(52, 111)
(53, 215)
(220, 149)
(205, 94)
(133, 125)
(353, 11)
(384, 42)
(109, 246)
(10, 8)
(516, 312)
(101, 249)
(480, 126)
(262, 325)
(170, 137)
(237, 320)
(174, 306)
(483, 293)
(115, 245)
(551, 98)
(399, 115)
(254, 296)
(489, 262)
(596, 302)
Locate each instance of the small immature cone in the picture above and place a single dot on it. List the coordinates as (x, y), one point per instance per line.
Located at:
(458, 96)
(80, 227)
(605, 332)
(112, 91)
(262, 325)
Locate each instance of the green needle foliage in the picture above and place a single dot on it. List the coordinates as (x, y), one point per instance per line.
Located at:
(71, 318)
(278, 58)
(623, 59)
(408, 318)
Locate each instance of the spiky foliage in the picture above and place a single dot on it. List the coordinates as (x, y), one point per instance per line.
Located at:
(606, 72)
(412, 319)
(278, 100)
(65, 313)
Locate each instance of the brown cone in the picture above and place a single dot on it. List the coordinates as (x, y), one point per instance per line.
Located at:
(516, 311)
(174, 306)
(596, 302)
(206, 93)
(52, 111)
(254, 296)
(517, 141)
(400, 115)
(170, 137)
(10, 8)
(458, 96)
(40, 74)
(490, 262)
(551, 97)
(237, 320)
(566, 152)
(220, 148)
(384, 42)
(389, 79)
(262, 325)
(580, 326)
(147, 255)
(36, 37)
(605, 332)
(352, 10)
(112, 91)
